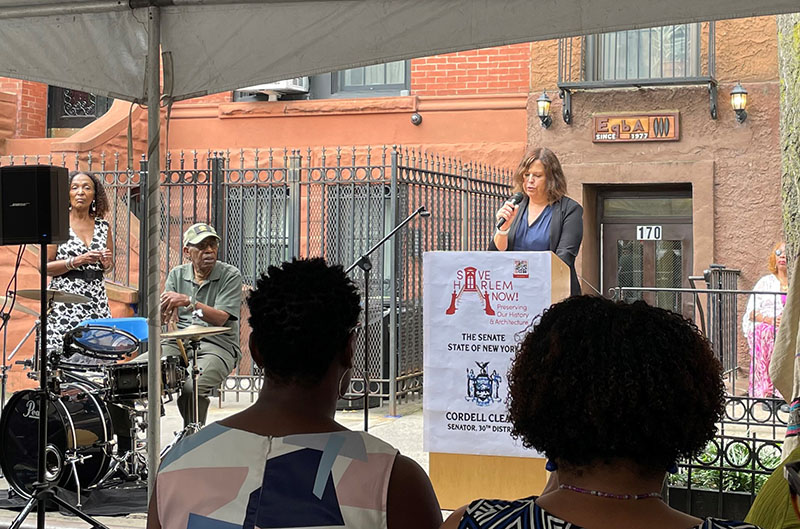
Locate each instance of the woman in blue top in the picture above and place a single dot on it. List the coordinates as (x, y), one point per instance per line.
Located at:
(546, 219)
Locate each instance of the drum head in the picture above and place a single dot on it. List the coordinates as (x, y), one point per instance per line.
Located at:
(99, 341)
(77, 424)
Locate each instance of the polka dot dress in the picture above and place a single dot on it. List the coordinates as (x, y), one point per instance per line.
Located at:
(66, 316)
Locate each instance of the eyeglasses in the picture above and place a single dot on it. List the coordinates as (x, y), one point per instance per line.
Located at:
(779, 252)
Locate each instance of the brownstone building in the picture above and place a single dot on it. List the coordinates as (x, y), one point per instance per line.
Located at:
(710, 184)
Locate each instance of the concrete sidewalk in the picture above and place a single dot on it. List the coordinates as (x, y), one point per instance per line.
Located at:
(403, 431)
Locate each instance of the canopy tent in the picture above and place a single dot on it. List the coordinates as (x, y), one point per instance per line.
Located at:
(100, 46)
(111, 47)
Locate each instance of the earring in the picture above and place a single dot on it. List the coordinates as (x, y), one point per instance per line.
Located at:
(93, 206)
(360, 394)
(673, 468)
(550, 466)
(340, 393)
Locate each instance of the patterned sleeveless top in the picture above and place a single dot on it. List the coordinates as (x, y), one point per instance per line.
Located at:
(525, 514)
(225, 478)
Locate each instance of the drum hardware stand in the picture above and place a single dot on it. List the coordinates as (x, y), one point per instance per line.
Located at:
(4, 317)
(43, 492)
(132, 462)
(194, 426)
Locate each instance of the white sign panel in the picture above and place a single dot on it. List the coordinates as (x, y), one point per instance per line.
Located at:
(648, 233)
(477, 309)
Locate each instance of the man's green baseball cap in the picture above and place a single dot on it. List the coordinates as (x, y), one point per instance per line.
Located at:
(198, 232)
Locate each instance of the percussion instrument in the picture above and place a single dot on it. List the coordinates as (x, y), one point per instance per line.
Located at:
(195, 332)
(129, 381)
(135, 326)
(58, 296)
(18, 306)
(86, 346)
(78, 432)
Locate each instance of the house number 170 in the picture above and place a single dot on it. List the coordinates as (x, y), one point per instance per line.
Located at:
(648, 233)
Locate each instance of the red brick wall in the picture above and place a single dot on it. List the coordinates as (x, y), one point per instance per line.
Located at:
(504, 69)
(31, 118)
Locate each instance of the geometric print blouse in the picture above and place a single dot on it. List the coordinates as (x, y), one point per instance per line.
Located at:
(226, 478)
(526, 514)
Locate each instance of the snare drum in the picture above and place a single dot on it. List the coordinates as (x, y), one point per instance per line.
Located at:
(129, 381)
(96, 342)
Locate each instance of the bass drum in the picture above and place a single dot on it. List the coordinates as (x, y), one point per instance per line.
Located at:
(78, 429)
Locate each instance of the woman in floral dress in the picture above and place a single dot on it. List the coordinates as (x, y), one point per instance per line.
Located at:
(761, 320)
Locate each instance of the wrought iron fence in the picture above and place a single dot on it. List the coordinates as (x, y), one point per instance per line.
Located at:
(272, 204)
(724, 479)
(337, 203)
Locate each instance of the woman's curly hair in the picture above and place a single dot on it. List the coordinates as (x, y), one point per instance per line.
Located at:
(598, 380)
(100, 197)
(302, 314)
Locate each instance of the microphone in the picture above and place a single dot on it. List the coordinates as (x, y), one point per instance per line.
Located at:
(515, 199)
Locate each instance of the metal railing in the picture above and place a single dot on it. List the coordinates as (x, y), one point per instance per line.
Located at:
(724, 479)
(272, 204)
(336, 203)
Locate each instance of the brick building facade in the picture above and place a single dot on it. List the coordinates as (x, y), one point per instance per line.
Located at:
(481, 105)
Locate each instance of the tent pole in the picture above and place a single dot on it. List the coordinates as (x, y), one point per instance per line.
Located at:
(153, 240)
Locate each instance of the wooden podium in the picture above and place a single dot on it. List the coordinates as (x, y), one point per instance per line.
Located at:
(461, 478)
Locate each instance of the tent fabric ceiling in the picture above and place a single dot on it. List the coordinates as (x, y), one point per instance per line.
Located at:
(222, 45)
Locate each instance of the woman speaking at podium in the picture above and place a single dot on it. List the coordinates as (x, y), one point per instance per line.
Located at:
(540, 216)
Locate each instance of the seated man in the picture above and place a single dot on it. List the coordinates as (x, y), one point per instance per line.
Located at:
(204, 292)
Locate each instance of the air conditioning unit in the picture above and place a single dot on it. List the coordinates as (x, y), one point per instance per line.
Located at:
(298, 85)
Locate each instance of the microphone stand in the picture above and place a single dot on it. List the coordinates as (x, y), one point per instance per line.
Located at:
(365, 264)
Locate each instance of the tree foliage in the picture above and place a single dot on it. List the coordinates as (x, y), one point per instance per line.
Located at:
(789, 72)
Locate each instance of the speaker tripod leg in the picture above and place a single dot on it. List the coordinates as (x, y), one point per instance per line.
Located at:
(74, 510)
(26, 510)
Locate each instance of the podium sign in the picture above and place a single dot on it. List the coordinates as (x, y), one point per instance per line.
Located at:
(478, 307)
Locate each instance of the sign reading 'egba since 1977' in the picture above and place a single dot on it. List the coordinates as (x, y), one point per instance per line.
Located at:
(661, 126)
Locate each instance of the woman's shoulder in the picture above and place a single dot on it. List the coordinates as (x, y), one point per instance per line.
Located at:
(766, 282)
(568, 203)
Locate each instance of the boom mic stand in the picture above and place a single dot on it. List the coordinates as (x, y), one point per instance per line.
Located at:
(42, 491)
(365, 264)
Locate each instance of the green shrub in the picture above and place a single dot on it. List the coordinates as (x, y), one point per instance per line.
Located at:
(734, 474)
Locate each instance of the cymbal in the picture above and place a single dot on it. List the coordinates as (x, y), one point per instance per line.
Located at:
(194, 332)
(18, 306)
(58, 296)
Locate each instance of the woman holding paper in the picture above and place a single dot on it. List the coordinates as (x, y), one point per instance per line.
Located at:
(545, 219)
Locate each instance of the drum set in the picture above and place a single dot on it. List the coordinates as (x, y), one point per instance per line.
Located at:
(97, 413)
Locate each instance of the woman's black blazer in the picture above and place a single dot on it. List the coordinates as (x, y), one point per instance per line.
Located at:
(566, 234)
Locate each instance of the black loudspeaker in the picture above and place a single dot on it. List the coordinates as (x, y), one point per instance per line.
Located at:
(34, 201)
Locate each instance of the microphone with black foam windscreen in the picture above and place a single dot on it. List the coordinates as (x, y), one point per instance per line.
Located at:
(515, 199)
